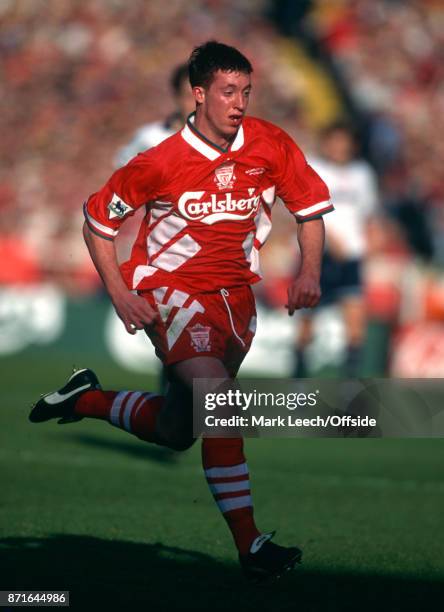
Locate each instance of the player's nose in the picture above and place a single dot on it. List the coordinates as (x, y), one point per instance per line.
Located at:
(239, 102)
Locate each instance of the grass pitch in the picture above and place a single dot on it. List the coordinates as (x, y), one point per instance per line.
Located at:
(124, 525)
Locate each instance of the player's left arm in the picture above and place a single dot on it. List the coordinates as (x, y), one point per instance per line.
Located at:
(305, 290)
(306, 196)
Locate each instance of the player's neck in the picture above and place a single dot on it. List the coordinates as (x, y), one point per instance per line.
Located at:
(209, 132)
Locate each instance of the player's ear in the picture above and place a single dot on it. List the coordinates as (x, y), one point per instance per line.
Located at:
(199, 94)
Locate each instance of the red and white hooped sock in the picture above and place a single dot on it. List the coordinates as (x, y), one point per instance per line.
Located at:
(134, 411)
(227, 475)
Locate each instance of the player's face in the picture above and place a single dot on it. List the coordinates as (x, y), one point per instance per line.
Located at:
(224, 102)
(339, 147)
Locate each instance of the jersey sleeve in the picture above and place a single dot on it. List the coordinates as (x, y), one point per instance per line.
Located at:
(302, 190)
(128, 189)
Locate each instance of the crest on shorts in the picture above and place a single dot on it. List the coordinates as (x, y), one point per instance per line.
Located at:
(225, 178)
(200, 337)
(118, 208)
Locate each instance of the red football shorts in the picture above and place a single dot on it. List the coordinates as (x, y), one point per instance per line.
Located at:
(219, 324)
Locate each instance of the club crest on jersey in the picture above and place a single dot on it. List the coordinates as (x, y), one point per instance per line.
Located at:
(118, 208)
(200, 337)
(225, 178)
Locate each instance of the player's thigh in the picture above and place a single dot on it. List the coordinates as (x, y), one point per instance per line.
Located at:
(239, 328)
(354, 316)
(305, 329)
(198, 367)
(178, 408)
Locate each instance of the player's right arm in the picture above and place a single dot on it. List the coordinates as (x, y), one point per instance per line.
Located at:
(133, 310)
(128, 189)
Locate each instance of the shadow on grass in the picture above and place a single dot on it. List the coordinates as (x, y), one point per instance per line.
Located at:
(116, 575)
(142, 450)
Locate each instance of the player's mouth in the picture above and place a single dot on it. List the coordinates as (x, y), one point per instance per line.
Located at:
(235, 119)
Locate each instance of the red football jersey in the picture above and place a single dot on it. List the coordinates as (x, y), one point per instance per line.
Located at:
(208, 210)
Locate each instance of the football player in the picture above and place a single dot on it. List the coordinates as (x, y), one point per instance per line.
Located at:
(208, 192)
(353, 186)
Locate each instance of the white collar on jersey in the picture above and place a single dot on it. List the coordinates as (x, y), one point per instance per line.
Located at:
(210, 150)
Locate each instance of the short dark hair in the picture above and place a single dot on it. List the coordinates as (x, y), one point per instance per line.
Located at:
(178, 76)
(339, 125)
(212, 56)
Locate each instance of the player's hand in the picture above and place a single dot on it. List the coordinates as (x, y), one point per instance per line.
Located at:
(304, 292)
(134, 311)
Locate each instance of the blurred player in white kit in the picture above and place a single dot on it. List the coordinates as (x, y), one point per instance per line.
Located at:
(353, 186)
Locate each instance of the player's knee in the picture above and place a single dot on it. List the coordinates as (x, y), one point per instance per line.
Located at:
(176, 435)
(181, 443)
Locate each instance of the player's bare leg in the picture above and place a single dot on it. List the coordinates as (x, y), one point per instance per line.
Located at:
(304, 337)
(174, 424)
(353, 312)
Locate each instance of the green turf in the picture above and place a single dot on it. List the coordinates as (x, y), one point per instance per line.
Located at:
(124, 525)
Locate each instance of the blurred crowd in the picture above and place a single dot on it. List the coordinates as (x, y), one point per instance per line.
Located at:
(80, 76)
(391, 56)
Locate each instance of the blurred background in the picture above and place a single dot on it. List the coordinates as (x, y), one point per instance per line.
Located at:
(79, 78)
(119, 522)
